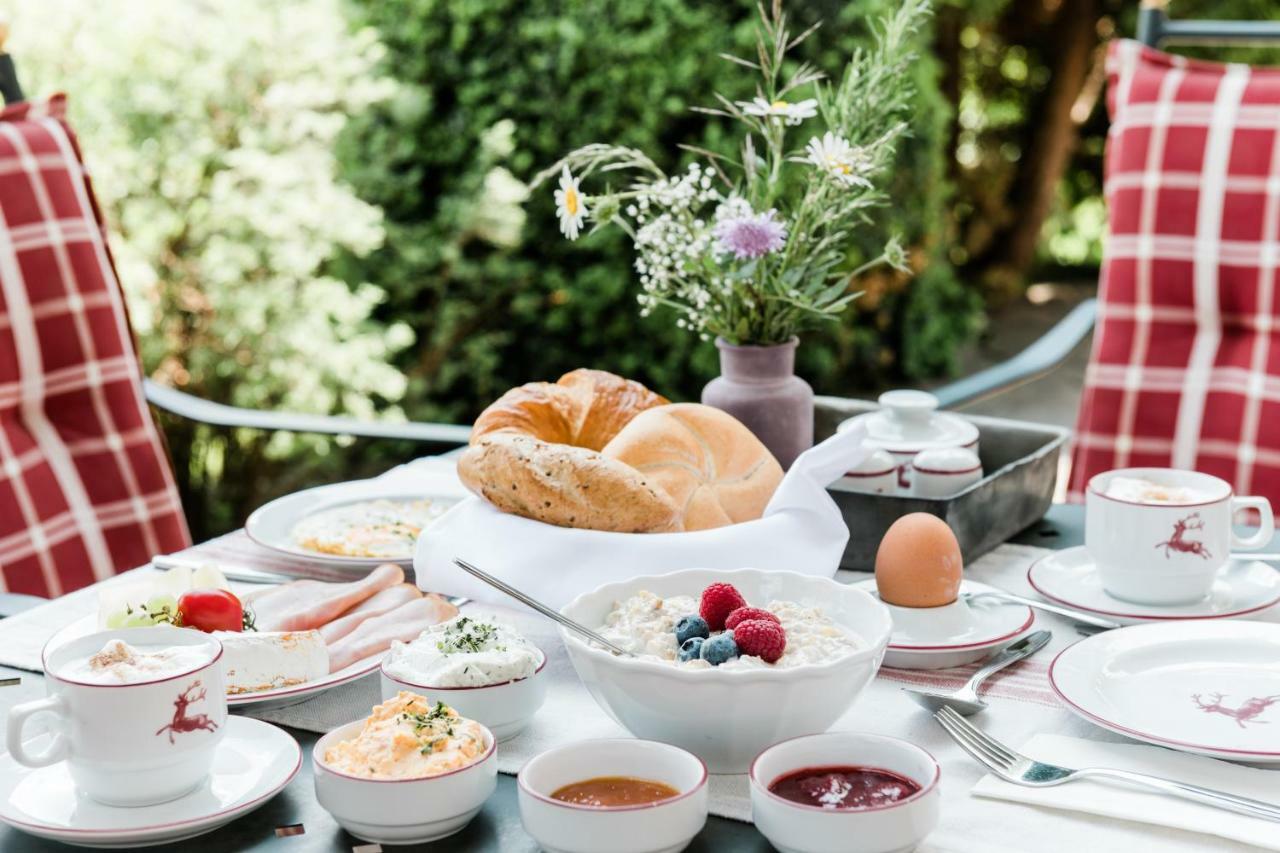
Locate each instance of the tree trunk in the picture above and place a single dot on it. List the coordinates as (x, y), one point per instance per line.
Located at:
(1071, 38)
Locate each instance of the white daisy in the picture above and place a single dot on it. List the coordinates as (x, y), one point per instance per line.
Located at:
(793, 113)
(835, 156)
(571, 205)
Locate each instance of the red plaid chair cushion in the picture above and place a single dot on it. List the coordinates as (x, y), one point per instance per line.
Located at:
(1185, 368)
(85, 485)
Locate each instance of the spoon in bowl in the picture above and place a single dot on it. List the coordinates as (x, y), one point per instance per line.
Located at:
(965, 700)
(546, 611)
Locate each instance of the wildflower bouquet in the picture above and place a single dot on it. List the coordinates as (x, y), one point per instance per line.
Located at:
(753, 248)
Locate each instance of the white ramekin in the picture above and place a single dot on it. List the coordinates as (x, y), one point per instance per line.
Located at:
(663, 827)
(797, 828)
(402, 811)
(505, 708)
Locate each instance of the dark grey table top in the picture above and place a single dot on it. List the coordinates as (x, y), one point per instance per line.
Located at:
(497, 828)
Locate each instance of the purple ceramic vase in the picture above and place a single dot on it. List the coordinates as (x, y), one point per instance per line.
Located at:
(758, 386)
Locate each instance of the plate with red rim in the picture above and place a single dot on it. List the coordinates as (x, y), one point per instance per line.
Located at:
(1070, 577)
(253, 763)
(954, 634)
(1204, 687)
(262, 700)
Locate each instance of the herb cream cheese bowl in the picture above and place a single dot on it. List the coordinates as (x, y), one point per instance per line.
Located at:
(402, 811)
(505, 708)
(893, 827)
(726, 717)
(665, 826)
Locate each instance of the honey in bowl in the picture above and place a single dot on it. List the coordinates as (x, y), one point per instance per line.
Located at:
(918, 562)
(614, 791)
(845, 787)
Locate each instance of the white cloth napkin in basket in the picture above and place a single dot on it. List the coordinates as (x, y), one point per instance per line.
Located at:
(801, 531)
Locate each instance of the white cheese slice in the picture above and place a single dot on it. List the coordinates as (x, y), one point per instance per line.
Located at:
(266, 660)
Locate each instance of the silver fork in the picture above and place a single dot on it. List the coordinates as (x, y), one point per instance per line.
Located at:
(1013, 766)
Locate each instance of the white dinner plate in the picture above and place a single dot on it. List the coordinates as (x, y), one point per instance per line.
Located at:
(272, 524)
(254, 762)
(263, 700)
(1206, 687)
(1070, 577)
(955, 634)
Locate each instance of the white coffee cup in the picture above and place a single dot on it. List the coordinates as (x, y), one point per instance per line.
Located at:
(130, 744)
(1152, 552)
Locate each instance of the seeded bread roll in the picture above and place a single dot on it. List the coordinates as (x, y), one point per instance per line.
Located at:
(564, 485)
(714, 468)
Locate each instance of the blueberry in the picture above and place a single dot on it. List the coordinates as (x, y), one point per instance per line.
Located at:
(719, 649)
(691, 626)
(690, 648)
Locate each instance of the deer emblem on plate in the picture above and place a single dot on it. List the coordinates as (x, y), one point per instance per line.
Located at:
(1242, 715)
(184, 722)
(1179, 542)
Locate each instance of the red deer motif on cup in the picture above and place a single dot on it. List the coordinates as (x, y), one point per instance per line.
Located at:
(182, 722)
(1244, 714)
(1178, 541)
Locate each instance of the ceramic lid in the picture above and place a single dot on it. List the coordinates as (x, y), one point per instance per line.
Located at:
(908, 422)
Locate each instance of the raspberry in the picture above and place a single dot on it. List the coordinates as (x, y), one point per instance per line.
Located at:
(762, 638)
(742, 614)
(718, 601)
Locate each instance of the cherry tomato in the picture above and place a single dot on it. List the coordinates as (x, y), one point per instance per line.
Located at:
(211, 610)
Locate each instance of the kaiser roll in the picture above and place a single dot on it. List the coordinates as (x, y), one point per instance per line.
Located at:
(714, 468)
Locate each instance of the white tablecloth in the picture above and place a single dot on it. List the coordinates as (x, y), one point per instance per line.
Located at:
(1022, 706)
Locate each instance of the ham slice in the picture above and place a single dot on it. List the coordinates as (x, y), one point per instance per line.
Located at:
(377, 604)
(377, 633)
(307, 604)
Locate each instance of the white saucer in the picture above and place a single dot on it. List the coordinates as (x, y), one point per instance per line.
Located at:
(1071, 577)
(954, 634)
(1210, 688)
(254, 762)
(263, 700)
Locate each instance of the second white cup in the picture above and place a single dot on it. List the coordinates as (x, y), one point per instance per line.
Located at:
(1164, 536)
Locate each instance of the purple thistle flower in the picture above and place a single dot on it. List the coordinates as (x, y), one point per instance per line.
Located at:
(750, 236)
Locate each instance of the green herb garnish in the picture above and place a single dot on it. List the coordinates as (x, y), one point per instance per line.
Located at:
(467, 636)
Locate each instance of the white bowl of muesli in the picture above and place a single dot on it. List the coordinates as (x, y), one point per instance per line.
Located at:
(727, 663)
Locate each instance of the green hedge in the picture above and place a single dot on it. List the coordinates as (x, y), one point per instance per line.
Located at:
(490, 315)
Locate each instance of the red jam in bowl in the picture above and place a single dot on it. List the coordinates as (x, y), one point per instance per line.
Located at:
(846, 788)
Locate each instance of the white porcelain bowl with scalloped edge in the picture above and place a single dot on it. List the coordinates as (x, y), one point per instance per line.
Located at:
(726, 717)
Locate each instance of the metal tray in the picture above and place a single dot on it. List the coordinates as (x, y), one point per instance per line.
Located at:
(1021, 461)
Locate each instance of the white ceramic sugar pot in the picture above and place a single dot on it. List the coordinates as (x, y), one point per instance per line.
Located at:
(908, 422)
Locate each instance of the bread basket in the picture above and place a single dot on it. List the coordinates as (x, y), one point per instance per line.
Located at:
(801, 530)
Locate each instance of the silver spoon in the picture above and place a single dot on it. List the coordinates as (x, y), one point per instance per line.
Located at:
(965, 700)
(1069, 612)
(539, 606)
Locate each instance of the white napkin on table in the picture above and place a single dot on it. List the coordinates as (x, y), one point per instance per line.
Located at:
(1119, 801)
(801, 530)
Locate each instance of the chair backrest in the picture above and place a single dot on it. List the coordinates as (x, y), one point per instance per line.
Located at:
(85, 484)
(1155, 29)
(1184, 370)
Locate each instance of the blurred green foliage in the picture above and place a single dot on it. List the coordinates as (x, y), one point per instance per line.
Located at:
(491, 313)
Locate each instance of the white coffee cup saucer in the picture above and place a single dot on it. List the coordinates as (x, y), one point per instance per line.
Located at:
(254, 762)
(954, 634)
(1071, 577)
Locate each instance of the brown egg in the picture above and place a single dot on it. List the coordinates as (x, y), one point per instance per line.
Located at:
(918, 563)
